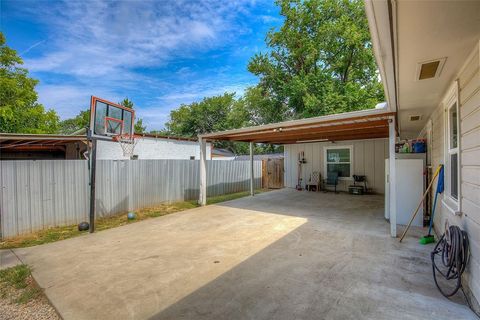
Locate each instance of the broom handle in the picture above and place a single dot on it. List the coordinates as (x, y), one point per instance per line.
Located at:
(433, 213)
(421, 201)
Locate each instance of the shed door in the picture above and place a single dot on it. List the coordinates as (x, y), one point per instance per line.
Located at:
(275, 173)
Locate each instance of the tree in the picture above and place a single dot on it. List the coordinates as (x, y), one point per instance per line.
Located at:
(216, 113)
(19, 110)
(126, 103)
(138, 127)
(211, 114)
(262, 108)
(80, 121)
(320, 61)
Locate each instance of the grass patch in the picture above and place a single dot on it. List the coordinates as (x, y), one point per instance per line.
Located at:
(62, 233)
(16, 276)
(17, 284)
(232, 196)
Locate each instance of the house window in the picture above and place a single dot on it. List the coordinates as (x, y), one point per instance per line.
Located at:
(339, 159)
(452, 157)
(192, 157)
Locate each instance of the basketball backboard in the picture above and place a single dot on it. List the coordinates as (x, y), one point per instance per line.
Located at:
(108, 119)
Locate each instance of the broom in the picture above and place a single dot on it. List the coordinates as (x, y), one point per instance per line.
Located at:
(421, 201)
(429, 238)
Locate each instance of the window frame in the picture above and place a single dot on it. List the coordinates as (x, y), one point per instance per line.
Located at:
(325, 160)
(452, 203)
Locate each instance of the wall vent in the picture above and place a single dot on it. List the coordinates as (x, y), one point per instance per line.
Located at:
(414, 117)
(429, 69)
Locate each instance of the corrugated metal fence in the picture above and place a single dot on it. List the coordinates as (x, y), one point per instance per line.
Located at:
(39, 194)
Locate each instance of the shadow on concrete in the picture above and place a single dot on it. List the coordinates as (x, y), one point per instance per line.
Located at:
(222, 188)
(340, 264)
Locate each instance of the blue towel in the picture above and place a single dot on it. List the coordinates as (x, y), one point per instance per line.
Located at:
(440, 183)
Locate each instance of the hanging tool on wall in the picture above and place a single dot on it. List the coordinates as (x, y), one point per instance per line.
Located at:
(301, 161)
(437, 172)
(429, 238)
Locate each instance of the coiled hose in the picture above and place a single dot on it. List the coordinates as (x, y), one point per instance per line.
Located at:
(453, 249)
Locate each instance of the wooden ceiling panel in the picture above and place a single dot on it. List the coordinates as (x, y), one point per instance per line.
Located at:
(300, 134)
(309, 130)
(293, 125)
(338, 138)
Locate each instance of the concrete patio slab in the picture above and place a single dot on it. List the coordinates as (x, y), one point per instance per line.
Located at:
(8, 259)
(279, 255)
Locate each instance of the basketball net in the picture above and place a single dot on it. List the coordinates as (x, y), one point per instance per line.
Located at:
(127, 142)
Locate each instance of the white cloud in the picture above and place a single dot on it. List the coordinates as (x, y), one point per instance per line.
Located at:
(269, 19)
(98, 46)
(97, 38)
(158, 112)
(68, 100)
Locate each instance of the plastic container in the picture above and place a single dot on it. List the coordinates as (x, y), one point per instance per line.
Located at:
(419, 146)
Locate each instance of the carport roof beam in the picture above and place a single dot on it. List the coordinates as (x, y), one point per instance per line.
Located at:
(366, 124)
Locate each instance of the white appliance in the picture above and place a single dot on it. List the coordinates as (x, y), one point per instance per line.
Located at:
(410, 185)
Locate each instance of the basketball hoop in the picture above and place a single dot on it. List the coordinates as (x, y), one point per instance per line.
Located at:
(127, 142)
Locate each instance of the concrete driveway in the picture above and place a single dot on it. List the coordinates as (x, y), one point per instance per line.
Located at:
(279, 255)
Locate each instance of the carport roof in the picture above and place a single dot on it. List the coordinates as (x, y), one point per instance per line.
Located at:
(37, 142)
(357, 125)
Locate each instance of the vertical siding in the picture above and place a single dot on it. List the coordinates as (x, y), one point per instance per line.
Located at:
(39, 194)
(469, 109)
(368, 159)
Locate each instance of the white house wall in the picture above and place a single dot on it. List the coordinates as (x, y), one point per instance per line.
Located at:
(368, 159)
(152, 148)
(469, 109)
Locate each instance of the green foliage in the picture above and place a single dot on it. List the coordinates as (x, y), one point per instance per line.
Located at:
(19, 110)
(320, 60)
(76, 123)
(210, 114)
(138, 126)
(223, 112)
(127, 103)
(16, 283)
(261, 107)
(16, 276)
(216, 113)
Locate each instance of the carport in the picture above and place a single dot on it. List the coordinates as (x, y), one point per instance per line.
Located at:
(349, 126)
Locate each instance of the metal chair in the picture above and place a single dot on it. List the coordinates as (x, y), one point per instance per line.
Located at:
(314, 181)
(332, 180)
(359, 179)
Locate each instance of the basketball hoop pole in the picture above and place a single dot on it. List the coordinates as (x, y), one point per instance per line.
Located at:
(93, 169)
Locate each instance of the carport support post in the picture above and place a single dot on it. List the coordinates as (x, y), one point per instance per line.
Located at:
(392, 178)
(203, 172)
(93, 174)
(252, 178)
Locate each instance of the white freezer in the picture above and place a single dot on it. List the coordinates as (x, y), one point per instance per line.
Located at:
(410, 186)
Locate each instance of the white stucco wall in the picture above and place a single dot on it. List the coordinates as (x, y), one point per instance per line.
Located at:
(153, 148)
(368, 158)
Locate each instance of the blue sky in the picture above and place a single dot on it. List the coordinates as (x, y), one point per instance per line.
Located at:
(157, 53)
